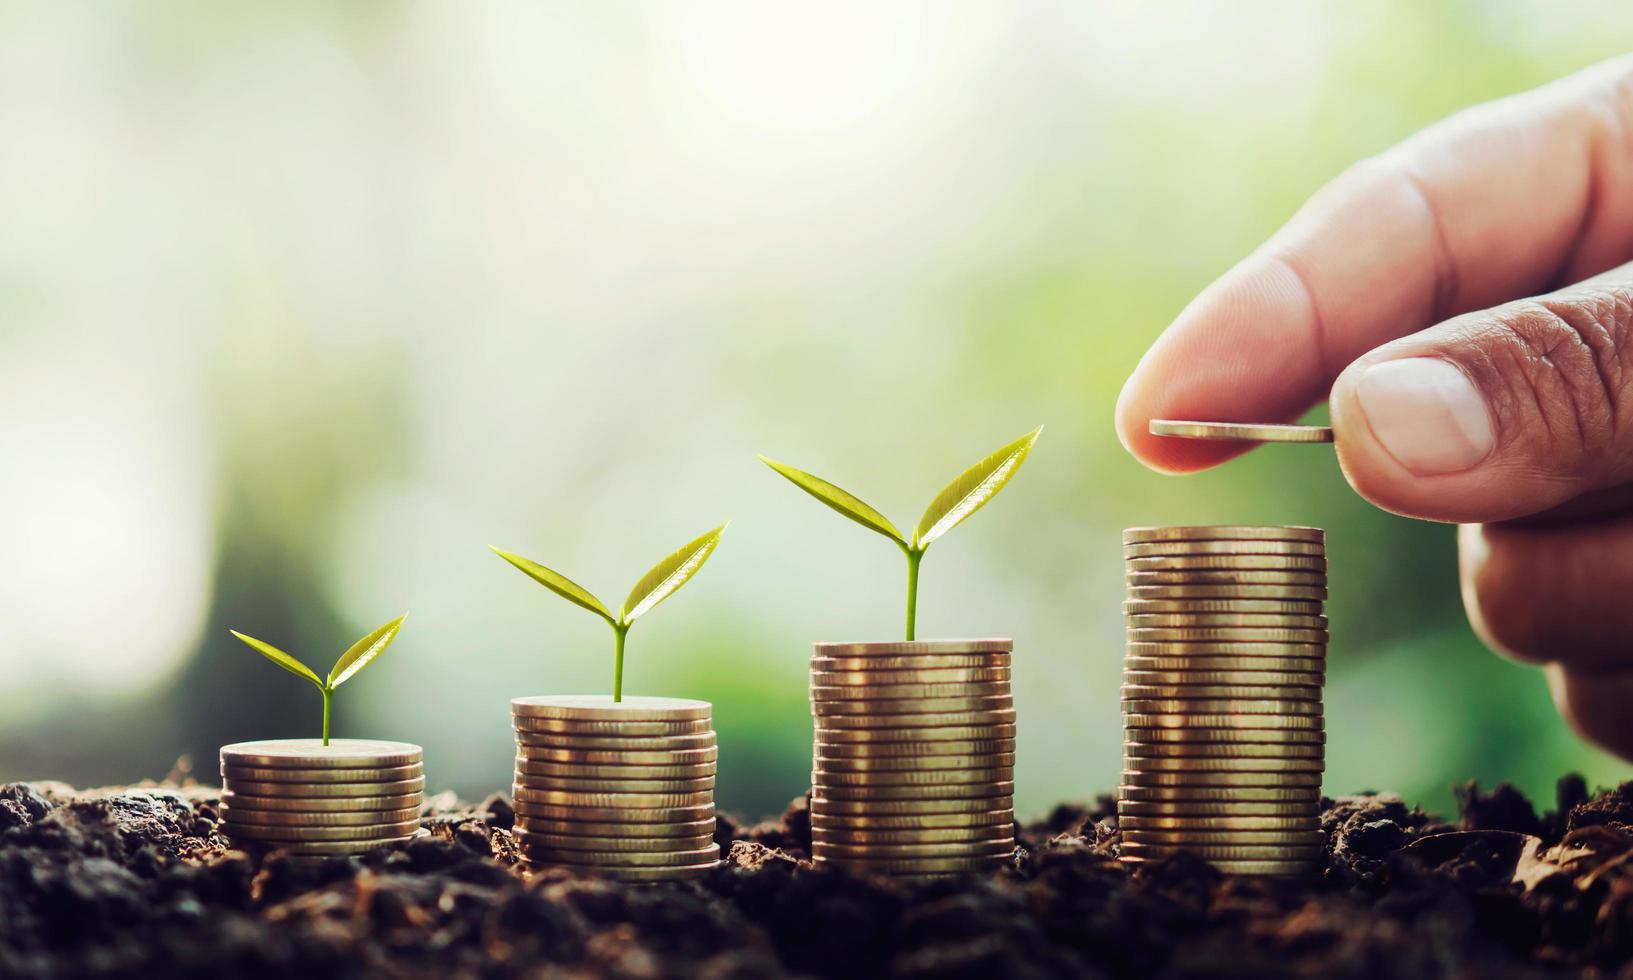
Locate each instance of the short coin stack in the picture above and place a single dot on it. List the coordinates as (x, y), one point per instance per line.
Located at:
(913, 770)
(1223, 732)
(621, 789)
(333, 800)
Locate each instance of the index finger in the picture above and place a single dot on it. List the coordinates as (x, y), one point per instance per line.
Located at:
(1499, 202)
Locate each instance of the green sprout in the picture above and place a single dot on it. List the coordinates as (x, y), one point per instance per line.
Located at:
(362, 653)
(967, 494)
(665, 578)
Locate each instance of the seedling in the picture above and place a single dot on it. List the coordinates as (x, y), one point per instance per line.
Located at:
(665, 578)
(967, 494)
(362, 653)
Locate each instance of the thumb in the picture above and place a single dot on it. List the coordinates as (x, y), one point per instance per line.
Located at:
(1496, 414)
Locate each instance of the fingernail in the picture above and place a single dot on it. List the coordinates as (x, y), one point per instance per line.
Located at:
(1427, 414)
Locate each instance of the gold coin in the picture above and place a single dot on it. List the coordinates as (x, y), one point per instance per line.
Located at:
(1228, 585)
(1219, 692)
(1219, 794)
(1003, 790)
(295, 818)
(828, 850)
(1188, 838)
(562, 784)
(916, 706)
(823, 806)
(913, 736)
(870, 678)
(1241, 431)
(621, 746)
(1227, 634)
(933, 719)
(1181, 706)
(573, 842)
(1241, 621)
(1249, 736)
(1224, 750)
(1214, 563)
(624, 816)
(1263, 869)
(610, 729)
(283, 832)
(913, 777)
(1238, 764)
(953, 661)
(605, 758)
(914, 753)
(548, 767)
(1276, 780)
(1215, 680)
(1169, 549)
(923, 865)
(1135, 663)
(1159, 720)
(944, 835)
(925, 763)
(627, 859)
(660, 836)
(630, 874)
(599, 707)
(271, 775)
(336, 848)
(1227, 852)
(1224, 532)
(835, 823)
(1222, 607)
(913, 648)
(1194, 808)
(359, 804)
(311, 753)
(899, 692)
(636, 801)
(1303, 822)
(323, 791)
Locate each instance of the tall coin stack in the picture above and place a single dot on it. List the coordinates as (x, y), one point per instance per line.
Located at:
(913, 770)
(333, 800)
(619, 789)
(1223, 733)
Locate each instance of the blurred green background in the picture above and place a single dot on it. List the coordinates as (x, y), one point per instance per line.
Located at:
(304, 304)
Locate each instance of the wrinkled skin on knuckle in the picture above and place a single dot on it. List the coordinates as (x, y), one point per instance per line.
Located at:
(1555, 372)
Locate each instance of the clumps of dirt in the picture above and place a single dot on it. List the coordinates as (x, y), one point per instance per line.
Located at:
(138, 882)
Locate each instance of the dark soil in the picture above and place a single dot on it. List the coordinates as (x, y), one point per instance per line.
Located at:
(137, 882)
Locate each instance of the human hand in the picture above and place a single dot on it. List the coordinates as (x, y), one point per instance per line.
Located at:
(1466, 298)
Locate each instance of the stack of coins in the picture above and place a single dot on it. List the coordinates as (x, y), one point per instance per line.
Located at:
(1223, 737)
(913, 770)
(621, 789)
(333, 800)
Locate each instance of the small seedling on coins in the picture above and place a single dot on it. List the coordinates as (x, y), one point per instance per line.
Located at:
(967, 494)
(665, 578)
(362, 653)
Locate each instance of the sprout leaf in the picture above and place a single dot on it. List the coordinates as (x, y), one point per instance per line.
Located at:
(364, 652)
(669, 575)
(280, 658)
(842, 501)
(558, 583)
(972, 489)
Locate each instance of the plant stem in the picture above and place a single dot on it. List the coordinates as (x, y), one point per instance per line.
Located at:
(618, 662)
(913, 559)
(327, 695)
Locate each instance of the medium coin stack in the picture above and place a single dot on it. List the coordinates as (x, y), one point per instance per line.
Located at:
(913, 770)
(333, 800)
(619, 789)
(1223, 731)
